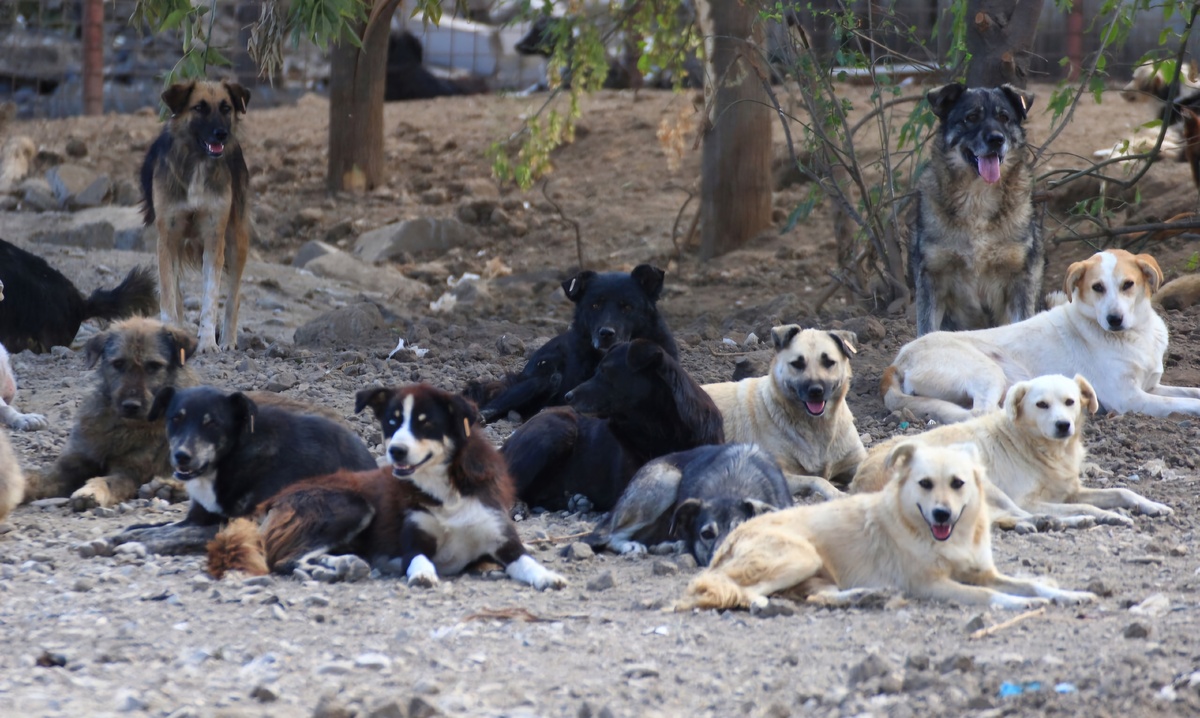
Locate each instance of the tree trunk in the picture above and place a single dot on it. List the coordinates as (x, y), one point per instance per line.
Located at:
(356, 86)
(736, 160)
(999, 37)
(93, 57)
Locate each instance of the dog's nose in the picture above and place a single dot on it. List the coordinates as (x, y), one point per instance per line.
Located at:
(398, 453)
(182, 458)
(220, 135)
(131, 407)
(608, 333)
(941, 515)
(1114, 320)
(995, 140)
(1063, 427)
(816, 393)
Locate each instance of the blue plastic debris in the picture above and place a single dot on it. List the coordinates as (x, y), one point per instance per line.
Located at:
(1008, 690)
(1065, 688)
(903, 425)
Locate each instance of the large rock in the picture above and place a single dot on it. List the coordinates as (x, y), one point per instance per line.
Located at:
(66, 181)
(93, 235)
(310, 251)
(383, 280)
(93, 195)
(414, 235)
(97, 228)
(347, 326)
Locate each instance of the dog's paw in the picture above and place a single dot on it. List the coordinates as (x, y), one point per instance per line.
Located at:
(1153, 508)
(527, 570)
(207, 343)
(520, 511)
(168, 489)
(422, 573)
(1023, 526)
(1010, 602)
(1112, 518)
(1064, 597)
(630, 548)
(580, 504)
(94, 494)
(29, 422)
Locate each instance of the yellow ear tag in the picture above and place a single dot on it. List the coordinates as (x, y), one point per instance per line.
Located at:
(467, 426)
(182, 358)
(1024, 107)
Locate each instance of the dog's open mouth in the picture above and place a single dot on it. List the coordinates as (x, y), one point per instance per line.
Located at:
(214, 149)
(189, 474)
(401, 471)
(816, 408)
(941, 532)
(988, 166)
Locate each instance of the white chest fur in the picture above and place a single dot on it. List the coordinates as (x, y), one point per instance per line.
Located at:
(203, 491)
(465, 530)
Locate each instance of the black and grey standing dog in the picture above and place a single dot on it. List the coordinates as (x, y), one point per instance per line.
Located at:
(976, 256)
(697, 496)
(232, 453)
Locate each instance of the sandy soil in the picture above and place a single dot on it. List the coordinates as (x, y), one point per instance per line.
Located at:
(152, 635)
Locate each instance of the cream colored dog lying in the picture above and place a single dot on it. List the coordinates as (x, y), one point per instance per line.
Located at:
(798, 412)
(1108, 332)
(1033, 452)
(926, 534)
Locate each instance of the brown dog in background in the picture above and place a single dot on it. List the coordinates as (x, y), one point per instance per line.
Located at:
(195, 188)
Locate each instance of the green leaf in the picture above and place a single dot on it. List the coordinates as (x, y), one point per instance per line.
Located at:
(173, 20)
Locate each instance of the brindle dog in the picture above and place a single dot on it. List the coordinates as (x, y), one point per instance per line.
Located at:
(195, 188)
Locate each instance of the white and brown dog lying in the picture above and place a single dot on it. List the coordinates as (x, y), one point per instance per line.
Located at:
(441, 506)
(925, 534)
(1033, 453)
(1108, 332)
(798, 413)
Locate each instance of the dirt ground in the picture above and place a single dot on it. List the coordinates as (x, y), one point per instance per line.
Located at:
(153, 635)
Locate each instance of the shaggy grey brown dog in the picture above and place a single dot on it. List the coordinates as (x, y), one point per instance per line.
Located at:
(976, 256)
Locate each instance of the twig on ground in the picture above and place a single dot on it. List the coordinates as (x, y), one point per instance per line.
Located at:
(992, 630)
(557, 539)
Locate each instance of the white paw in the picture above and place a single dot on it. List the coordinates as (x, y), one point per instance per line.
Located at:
(628, 547)
(1149, 508)
(422, 573)
(527, 570)
(31, 422)
(1009, 602)
(208, 343)
(1072, 598)
(1112, 518)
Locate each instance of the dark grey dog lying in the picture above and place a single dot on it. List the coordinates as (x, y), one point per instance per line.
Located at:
(698, 496)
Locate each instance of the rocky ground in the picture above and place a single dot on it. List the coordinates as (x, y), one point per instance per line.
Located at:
(153, 635)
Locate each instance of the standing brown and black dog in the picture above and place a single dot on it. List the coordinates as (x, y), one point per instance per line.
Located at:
(195, 188)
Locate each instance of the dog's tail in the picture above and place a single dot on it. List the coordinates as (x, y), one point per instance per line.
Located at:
(137, 294)
(713, 588)
(238, 547)
(896, 399)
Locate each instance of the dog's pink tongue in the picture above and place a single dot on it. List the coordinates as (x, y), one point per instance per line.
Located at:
(941, 532)
(815, 407)
(989, 168)
(217, 148)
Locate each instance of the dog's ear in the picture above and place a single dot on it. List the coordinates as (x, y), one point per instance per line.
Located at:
(1074, 279)
(1020, 99)
(684, 516)
(1087, 394)
(1149, 267)
(899, 457)
(1015, 399)
(941, 99)
(754, 507)
(239, 95)
(650, 279)
(375, 397)
(845, 341)
(244, 410)
(463, 415)
(180, 344)
(161, 400)
(575, 286)
(95, 347)
(644, 354)
(781, 336)
(176, 96)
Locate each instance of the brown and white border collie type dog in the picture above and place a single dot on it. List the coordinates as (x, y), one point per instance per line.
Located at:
(442, 505)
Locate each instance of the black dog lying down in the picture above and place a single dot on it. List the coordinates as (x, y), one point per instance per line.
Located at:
(648, 406)
(610, 308)
(441, 506)
(43, 309)
(698, 496)
(232, 454)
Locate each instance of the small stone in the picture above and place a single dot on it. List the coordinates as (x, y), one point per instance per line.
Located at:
(128, 702)
(578, 551)
(136, 549)
(1137, 630)
(1155, 605)
(308, 217)
(76, 147)
(258, 581)
(418, 707)
(873, 666)
(977, 623)
(958, 662)
(434, 196)
(686, 562)
(917, 662)
(1100, 588)
(642, 670)
(603, 582)
(265, 693)
(330, 707)
(387, 709)
(51, 660)
(335, 668)
(316, 600)
(663, 567)
(508, 345)
(83, 585)
(1179, 550)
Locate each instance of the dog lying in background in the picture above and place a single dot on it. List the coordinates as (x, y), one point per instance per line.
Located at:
(441, 506)
(926, 534)
(697, 496)
(8, 392)
(647, 406)
(196, 190)
(610, 307)
(1108, 332)
(43, 309)
(232, 454)
(1033, 453)
(798, 413)
(976, 256)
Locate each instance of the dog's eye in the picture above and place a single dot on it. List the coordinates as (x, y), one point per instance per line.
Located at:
(827, 362)
(1069, 402)
(798, 364)
(973, 116)
(626, 308)
(956, 483)
(708, 533)
(225, 108)
(201, 109)
(1098, 288)
(1042, 405)
(153, 367)
(926, 484)
(597, 305)
(118, 364)
(1127, 285)
(1002, 116)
